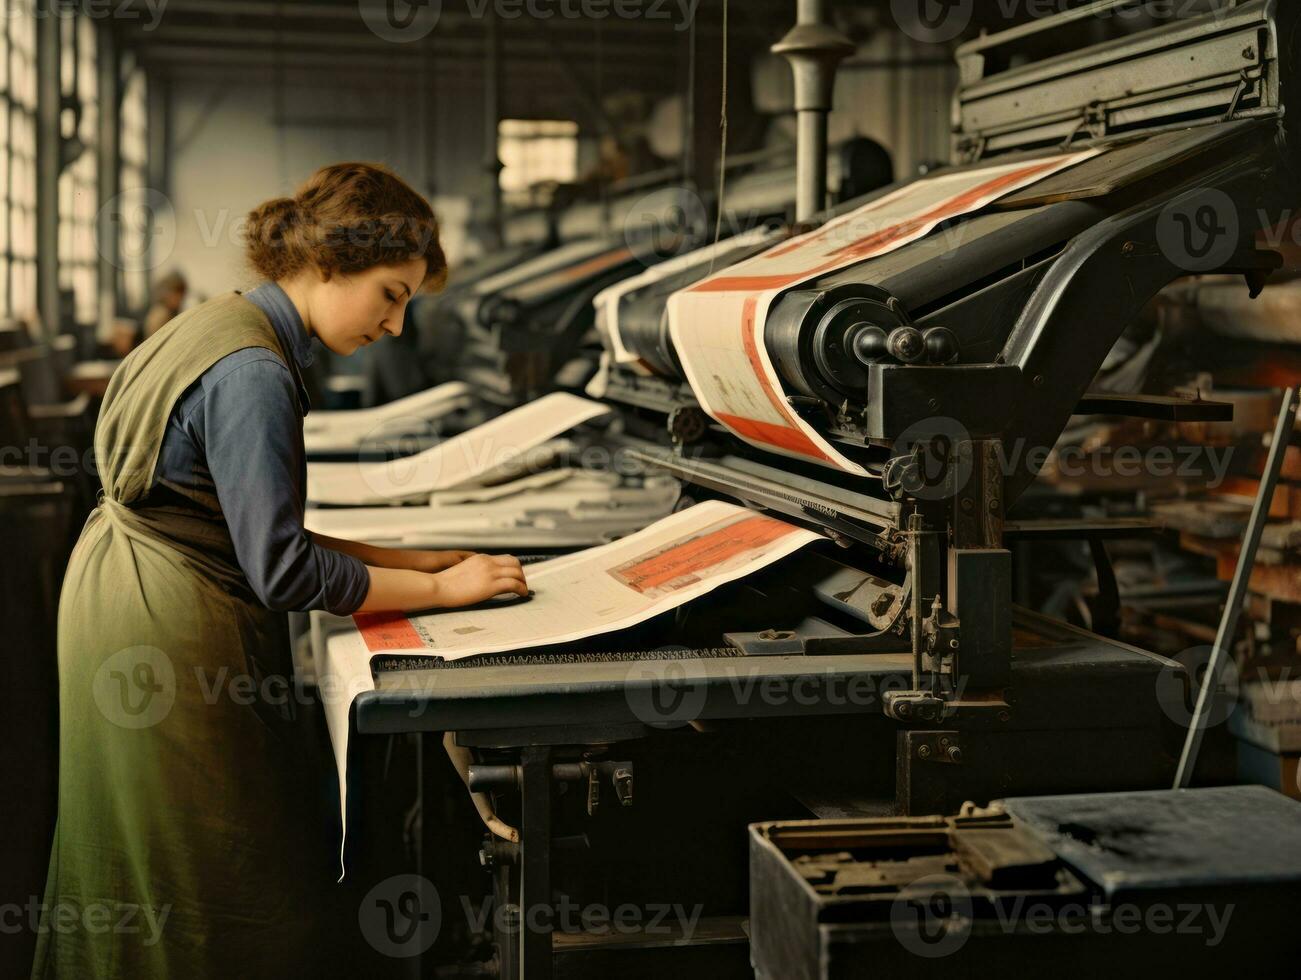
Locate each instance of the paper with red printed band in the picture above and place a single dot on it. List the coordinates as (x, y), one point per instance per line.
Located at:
(717, 324)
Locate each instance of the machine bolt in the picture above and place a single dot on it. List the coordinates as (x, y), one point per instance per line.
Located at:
(967, 505)
(934, 404)
(905, 344)
(923, 752)
(1005, 716)
(993, 505)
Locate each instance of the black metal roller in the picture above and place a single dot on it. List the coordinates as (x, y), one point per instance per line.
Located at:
(941, 345)
(868, 343)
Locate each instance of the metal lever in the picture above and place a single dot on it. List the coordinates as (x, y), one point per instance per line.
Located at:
(1238, 588)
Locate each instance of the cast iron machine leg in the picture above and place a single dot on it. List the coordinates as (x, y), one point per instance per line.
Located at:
(536, 914)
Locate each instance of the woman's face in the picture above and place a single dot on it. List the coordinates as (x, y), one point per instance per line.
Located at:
(350, 311)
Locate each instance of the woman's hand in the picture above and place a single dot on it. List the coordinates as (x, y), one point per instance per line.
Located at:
(436, 561)
(471, 579)
(478, 578)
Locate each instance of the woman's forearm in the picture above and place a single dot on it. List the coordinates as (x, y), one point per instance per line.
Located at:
(377, 557)
(369, 554)
(398, 590)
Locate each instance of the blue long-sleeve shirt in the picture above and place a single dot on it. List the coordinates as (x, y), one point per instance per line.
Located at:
(238, 431)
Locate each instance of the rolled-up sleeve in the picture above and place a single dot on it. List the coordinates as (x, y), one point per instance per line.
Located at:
(249, 430)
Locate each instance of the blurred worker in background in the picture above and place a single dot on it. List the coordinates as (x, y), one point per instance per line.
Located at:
(169, 295)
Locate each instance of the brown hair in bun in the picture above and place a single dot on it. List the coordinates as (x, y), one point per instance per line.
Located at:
(348, 217)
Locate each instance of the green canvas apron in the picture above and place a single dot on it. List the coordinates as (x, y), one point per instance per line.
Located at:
(189, 842)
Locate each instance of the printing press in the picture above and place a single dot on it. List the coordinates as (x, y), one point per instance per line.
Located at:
(525, 327)
(886, 671)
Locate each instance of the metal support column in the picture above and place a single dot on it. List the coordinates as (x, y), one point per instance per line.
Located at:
(108, 125)
(535, 910)
(1238, 589)
(814, 48)
(49, 163)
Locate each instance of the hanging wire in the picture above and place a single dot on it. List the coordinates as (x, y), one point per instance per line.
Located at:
(603, 184)
(722, 147)
(689, 113)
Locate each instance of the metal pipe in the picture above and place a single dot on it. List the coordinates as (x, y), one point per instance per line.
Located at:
(1238, 588)
(915, 597)
(810, 165)
(814, 48)
(49, 164)
(462, 759)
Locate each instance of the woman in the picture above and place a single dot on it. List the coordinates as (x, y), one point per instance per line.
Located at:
(183, 795)
(169, 295)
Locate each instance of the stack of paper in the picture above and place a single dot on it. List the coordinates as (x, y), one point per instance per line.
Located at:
(509, 444)
(560, 508)
(415, 415)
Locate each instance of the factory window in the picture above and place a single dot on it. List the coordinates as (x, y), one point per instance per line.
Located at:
(78, 268)
(18, 161)
(535, 155)
(133, 244)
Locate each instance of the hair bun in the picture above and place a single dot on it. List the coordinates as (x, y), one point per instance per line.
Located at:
(281, 210)
(346, 218)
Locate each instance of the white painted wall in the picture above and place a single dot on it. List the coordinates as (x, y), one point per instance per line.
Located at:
(227, 155)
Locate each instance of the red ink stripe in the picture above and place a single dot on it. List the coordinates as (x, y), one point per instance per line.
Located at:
(387, 631)
(741, 284)
(864, 247)
(790, 436)
(686, 563)
(771, 434)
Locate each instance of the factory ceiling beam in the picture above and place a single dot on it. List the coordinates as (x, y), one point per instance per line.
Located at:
(538, 69)
(329, 18)
(288, 42)
(187, 62)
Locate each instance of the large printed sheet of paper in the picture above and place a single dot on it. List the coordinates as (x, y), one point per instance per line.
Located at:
(600, 590)
(607, 300)
(351, 428)
(717, 324)
(462, 459)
